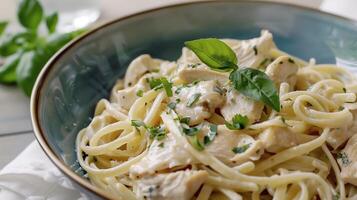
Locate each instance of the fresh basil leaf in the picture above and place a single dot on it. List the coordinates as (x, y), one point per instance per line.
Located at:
(8, 69)
(3, 25)
(10, 44)
(30, 14)
(33, 61)
(51, 22)
(241, 149)
(28, 68)
(195, 142)
(214, 53)
(238, 122)
(193, 99)
(211, 134)
(257, 85)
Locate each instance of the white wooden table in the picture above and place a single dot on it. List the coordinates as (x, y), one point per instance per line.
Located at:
(15, 126)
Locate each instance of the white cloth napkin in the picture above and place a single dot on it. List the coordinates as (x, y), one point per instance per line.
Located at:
(32, 176)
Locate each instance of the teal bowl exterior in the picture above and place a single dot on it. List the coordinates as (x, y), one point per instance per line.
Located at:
(84, 71)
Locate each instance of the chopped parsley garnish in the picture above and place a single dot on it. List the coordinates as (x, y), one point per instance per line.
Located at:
(211, 134)
(344, 158)
(219, 90)
(195, 142)
(344, 90)
(263, 62)
(193, 99)
(291, 61)
(336, 196)
(185, 120)
(255, 50)
(193, 65)
(172, 105)
(156, 132)
(238, 122)
(139, 93)
(161, 145)
(191, 131)
(241, 149)
(159, 83)
(137, 123)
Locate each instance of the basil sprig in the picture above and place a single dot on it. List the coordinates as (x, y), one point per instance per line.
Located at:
(26, 52)
(250, 82)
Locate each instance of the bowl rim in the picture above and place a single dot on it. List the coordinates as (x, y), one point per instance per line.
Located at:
(37, 89)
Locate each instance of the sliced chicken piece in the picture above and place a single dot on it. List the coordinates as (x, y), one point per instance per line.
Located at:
(347, 159)
(237, 103)
(140, 66)
(180, 185)
(254, 53)
(228, 141)
(198, 101)
(162, 155)
(276, 139)
(200, 72)
(339, 136)
(283, 69)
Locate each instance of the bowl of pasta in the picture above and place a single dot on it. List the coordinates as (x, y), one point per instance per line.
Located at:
(205, 100)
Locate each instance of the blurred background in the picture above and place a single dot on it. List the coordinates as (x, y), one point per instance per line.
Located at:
(15, 125)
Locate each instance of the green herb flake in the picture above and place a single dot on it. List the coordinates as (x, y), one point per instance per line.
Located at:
(139, 93)
(159, 83)
(193, 99)
(344, 158)
(241, 149)
(157, 132)
(255, 49)
(214, 53)
(195, 142)
(193, 65)
(172, 105)
(190, 131)
(219, 90)
(291, 61)
(344, 90)
(238, 122)
(211, 134)
(185, 120)
(161, 145)
(336, 196)
(137, 123)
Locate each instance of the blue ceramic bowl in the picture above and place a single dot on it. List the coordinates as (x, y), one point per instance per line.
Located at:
(84, 71)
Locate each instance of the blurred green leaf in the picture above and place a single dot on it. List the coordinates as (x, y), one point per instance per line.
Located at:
(32, 62)
(3, 25)
(30, 14)
(11, 43)
(51, 22)
(8, 69)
